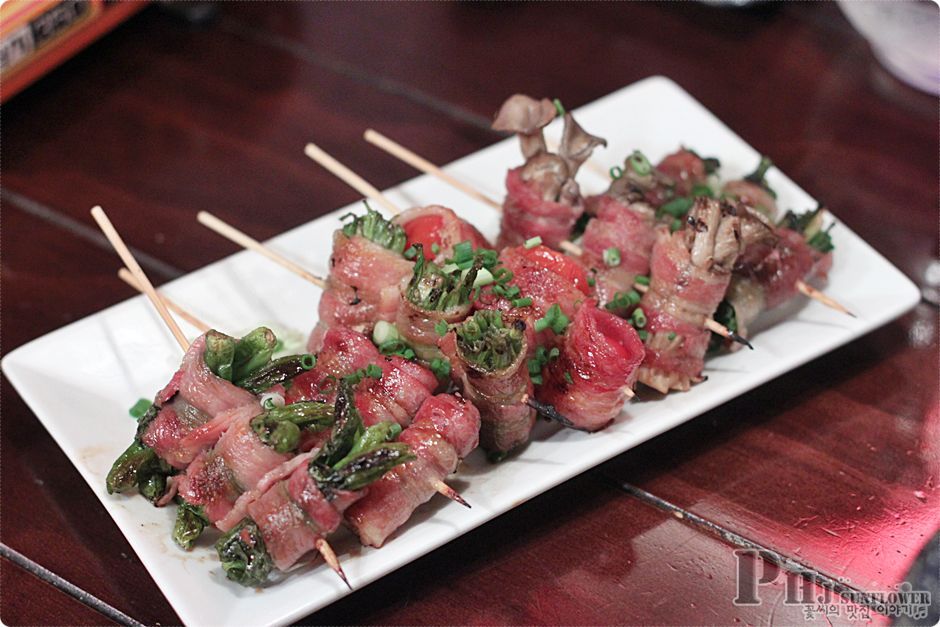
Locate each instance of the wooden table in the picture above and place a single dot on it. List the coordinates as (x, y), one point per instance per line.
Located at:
(833, 466)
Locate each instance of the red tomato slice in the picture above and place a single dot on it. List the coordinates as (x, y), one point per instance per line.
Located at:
(424, 230)
(561, 264)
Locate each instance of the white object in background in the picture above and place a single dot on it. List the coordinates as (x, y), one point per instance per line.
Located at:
(905, 37)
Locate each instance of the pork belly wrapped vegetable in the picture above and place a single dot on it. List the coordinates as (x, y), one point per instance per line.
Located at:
(690, 273)
(438, 229)
(366, 268)
(766, 278)
(436, 295)
(542, 197)
(488, 356)
(293, 515)
(214, 388)
(589, 381)
(443, 432)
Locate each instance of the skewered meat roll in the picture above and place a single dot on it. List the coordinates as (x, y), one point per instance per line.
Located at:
(690, 273)
(366, 268)
(444, 431)
(588, 383)
(753, 190)
(487, 353)
(542, 197)
(432, 296)
(618, 240)
(767, 278)
(292, 516)
(214, 388)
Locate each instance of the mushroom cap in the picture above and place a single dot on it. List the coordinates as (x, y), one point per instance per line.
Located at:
(523, 114)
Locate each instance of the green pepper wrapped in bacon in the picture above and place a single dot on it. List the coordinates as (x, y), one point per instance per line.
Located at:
(488, 355)
(436, 296)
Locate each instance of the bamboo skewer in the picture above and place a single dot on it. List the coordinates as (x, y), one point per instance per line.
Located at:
(125, 275)
(427, 167)
(818, 296)
(329, 556)
(125, 254)
(420, 163)
(450, 493)
(349, 177)
(230, 233)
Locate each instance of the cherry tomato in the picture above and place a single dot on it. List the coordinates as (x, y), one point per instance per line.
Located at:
(561, 264)
(424, 230)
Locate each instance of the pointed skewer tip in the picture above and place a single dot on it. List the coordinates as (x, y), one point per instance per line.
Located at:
(329, 556)
(451, 493)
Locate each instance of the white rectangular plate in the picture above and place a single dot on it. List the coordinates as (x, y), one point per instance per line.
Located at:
(124, 353)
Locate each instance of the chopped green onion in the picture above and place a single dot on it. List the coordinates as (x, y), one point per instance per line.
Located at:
(411, 253)
(700, 189)
(139, 408)
(568, 377)
(616, 172)
(463, 252)
(522, 302)
(553, 319)
(641, 279)
(435, 248)
(440, 328)
(612, 257)
(640, 164)
(671, 336)
(643, 334)
(558, 106)
(536, 379)
(532, 242)
(440, 368)
(623, 300)
(638, 318)
(484, 277)
(677, 207)
(591, 280)
(675, 225)
(384, 332)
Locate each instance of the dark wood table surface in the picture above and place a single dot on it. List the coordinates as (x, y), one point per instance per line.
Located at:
(832, 468)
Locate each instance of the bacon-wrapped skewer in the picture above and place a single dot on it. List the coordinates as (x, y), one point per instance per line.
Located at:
(801, 251)
(595, 372)
(256, 449)
(487, 353)
(444, 431)
(366, 267)
(214, 388)
(618, 240)
(369, 264)
(690, 273)
(438, 229)
(294, 515)
(542, 197)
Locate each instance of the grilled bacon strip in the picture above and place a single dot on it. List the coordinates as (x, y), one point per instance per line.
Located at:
(443, 432)
(598, 364)
(488, 355)
(542, 197)
(690, 273)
